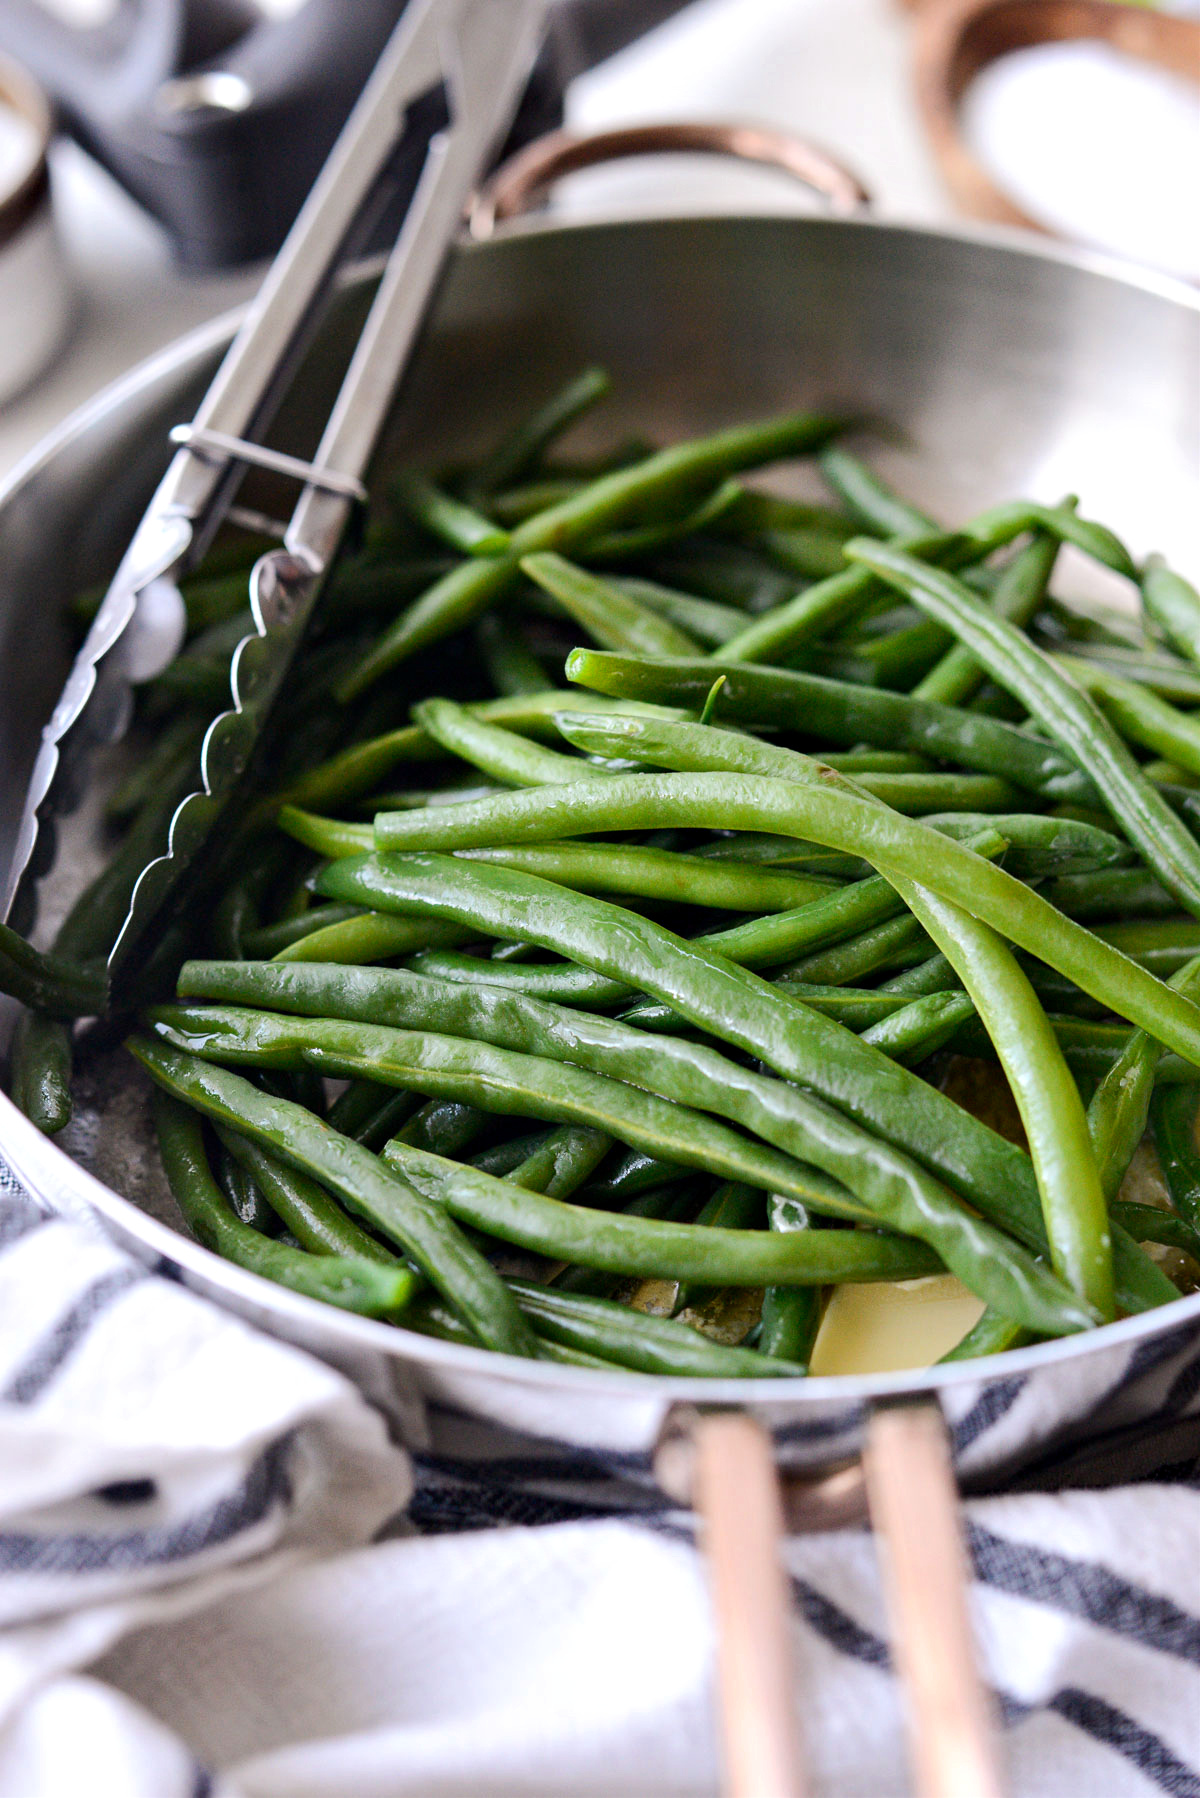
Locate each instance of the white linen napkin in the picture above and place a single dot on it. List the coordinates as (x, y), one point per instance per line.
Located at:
(193, 1599)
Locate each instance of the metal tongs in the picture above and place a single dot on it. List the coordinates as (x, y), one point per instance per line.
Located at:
(480, 52)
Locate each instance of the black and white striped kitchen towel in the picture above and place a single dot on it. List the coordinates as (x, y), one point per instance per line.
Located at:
(191, 1601)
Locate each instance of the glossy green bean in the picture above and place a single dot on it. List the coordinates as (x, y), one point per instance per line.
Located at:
(360, 768)
(1019, 592)
(522, 447)
(49, 983)
(839, 712)
(1112, 893)
(1061, 707)
(1154, 1223)
(1174, 606)
(868, 496)
(639, 1340)
(611, 500)
(990, 1334)
(926, 1024)
(895, 1191)
(316, 1221)
(661, 874)
(898, 942)
(1138, 714)
(654, 1248)
(611, 616)
(1046, 1095)
(737, 1007)
(443, 516)
(371, 936)
(512, 668)
(287, 1130)
(1038, 844)
(893, 844)
(354, 1282)
(704, 620)
(41, 1063)
(1173, 1112)
(500, 753)
(564, 1160)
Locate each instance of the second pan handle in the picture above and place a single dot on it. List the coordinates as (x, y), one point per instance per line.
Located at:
(518, 185)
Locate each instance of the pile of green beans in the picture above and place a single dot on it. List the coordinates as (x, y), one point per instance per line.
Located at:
(636, 851)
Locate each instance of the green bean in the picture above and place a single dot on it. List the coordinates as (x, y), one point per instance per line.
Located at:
(1162, 674)
(632, 544)
(1077, 723)
(1153, 1223)
(843, 713)
(1161, 945)
(512, 668)
(760, 942)
(41, 1071)
(285, 1129)
(932, 976)
(810, 858)
(1041, 1084)
(500, 753)
(886, 1185)
(897, 942)
(661, 874)
(269, 939)
(1174, 606)
(636, 1339)
(893, 844)
(371, 936)
(722, 570)
(1173, 1121)
(175, 750)
(859, 1007)
(737, 1007)
(522, 447)
(791, 1317)
(49, 983)
(990, 1334)
(868, 497)
(1063, 522)
(461, 595)
(457, 524)
(921, 1027)
(365, 1108)
(1037, 844)
(704, 620)
(355, 1283)
(563, 1161)
(316, 1221)
(1110, 893)
(1019, 592)
(506, 1081)
(1121, 1102)
(812, 554)
(515, 504)
(360, 768)
(654, 1248)
(443, 1126)
(610, 615)
(1140, 716)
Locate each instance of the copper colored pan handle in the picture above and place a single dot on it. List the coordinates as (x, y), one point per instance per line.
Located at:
(914, 1509)
(723, 1464)
(525, 178)
(955, 39)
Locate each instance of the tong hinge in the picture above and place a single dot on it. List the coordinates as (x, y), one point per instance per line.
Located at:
(218, 445)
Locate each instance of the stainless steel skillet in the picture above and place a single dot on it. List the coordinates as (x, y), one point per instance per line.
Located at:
(1005, 367)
